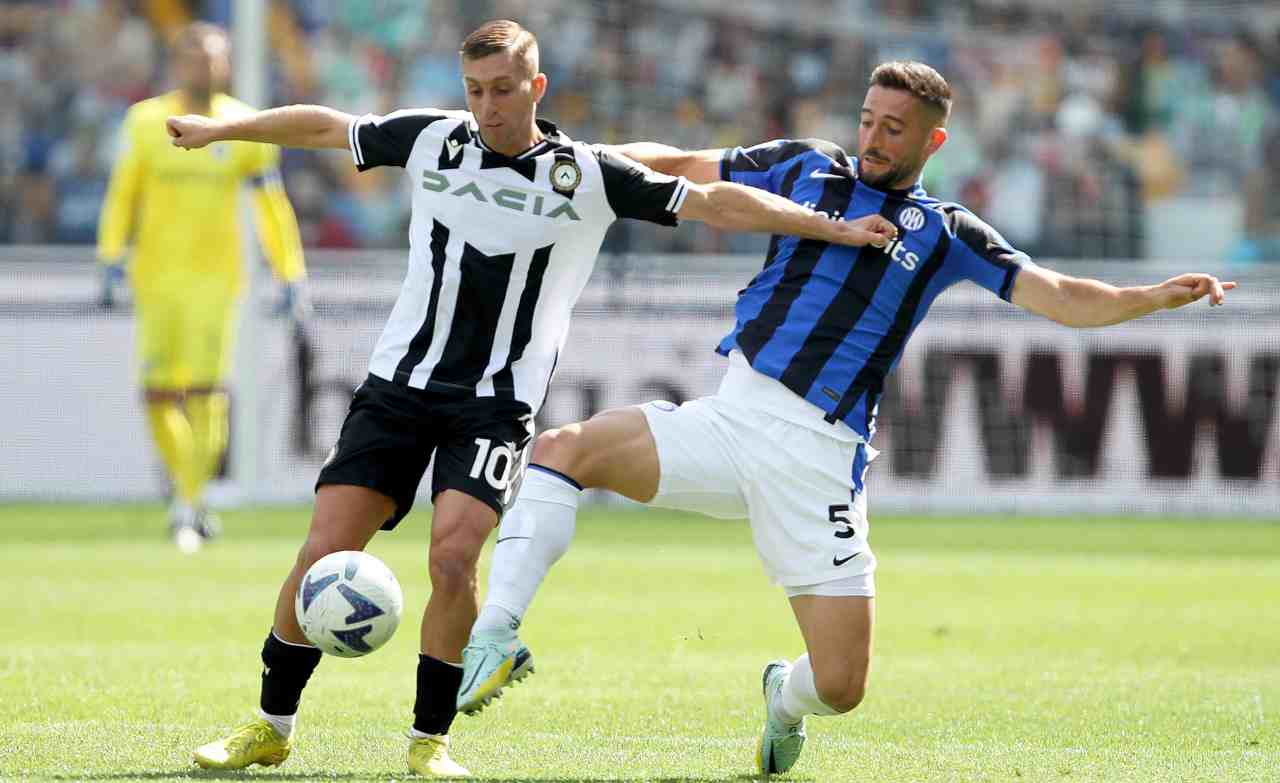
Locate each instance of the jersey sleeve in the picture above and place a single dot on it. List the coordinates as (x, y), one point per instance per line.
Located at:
(765, 165)
(116, 223)
(982, 255)
(638, 192)
(274, 218)
(388, 140)
(278, 229)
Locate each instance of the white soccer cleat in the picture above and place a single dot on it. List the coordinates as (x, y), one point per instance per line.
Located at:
(490, 662)
(780, 742)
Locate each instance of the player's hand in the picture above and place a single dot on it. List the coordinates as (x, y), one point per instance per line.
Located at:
(871, 230)
(190, 131)
(112, 278)
(1185, 289)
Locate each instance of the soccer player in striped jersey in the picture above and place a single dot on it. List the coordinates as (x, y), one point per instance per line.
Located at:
(507, 218)
(786, 440)
(173, 216)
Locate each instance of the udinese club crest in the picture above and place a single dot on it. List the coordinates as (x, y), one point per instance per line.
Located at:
(565, 175)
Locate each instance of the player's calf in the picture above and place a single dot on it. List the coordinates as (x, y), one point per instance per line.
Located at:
(458, 532)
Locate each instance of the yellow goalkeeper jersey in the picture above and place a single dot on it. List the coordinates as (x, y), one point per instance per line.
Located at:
(178, 208)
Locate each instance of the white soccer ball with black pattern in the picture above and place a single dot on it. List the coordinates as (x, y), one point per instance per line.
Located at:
(349, 604)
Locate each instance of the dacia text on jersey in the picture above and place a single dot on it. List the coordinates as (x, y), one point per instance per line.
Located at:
(508, 198)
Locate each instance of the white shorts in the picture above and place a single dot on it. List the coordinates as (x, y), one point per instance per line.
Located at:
(757, 450)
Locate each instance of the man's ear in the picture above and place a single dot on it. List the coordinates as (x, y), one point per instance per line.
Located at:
(937, 137)
(539, 84)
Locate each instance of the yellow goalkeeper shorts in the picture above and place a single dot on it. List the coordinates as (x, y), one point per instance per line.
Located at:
(185, 336)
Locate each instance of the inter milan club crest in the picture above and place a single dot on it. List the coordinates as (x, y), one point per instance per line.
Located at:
(911, 218)
(565, 175)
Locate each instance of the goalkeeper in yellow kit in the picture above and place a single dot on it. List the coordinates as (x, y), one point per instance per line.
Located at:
(170, 222)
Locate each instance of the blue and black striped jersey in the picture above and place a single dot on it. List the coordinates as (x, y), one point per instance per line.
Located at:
(830, 322)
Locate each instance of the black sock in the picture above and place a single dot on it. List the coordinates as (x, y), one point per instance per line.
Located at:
(286, 669)
(437, 702)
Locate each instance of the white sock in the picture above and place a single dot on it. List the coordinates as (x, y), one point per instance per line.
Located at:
(415, 734)
(534, 534)
(799, 694)
(493, 617)
(283, 724)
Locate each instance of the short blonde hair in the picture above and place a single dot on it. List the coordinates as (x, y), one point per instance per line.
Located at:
(502, 35)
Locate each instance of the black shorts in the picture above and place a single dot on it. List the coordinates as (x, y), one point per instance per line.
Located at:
(481, 445)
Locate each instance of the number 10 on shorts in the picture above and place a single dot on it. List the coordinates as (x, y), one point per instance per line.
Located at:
(494, 462)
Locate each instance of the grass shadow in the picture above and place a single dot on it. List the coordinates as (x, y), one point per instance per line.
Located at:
(203, 774)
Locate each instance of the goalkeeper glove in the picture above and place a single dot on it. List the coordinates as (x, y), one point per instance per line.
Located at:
(294, 302)
(112, 278)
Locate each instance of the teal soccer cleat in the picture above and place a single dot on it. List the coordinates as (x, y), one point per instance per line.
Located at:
(780, 743)
(491, 662)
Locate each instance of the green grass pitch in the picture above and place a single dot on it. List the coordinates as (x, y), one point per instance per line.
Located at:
(1007, 649)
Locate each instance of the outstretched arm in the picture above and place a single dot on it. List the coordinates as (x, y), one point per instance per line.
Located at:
(1080, 302)
(731, 207)
(700, 166)
(314, 127)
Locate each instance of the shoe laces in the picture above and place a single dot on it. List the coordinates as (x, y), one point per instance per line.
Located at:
(431, 748)
(249, 735)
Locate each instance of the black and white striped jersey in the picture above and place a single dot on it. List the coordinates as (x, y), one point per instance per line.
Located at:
(500, 248)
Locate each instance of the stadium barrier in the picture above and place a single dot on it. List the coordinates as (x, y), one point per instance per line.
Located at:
(992, 410)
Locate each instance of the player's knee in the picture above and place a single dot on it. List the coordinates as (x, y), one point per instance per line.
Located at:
(452, 569)
(559, 449)
(317, 546)
(454, 554)
(841, 692)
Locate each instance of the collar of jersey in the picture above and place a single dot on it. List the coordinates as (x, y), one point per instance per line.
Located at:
(916, 191)
(551, 136)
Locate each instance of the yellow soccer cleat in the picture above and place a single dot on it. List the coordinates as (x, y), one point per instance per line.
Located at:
(252, 743)
(429, 757)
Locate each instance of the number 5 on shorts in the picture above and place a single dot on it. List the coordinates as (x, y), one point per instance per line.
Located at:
(836, 515)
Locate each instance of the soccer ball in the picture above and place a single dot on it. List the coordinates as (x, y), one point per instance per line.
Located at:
(349, 604)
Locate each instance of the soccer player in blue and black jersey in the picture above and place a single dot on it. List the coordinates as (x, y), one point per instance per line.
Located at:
(786, 440)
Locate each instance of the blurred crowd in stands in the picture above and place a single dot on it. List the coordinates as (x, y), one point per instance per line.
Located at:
(1080, 130)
